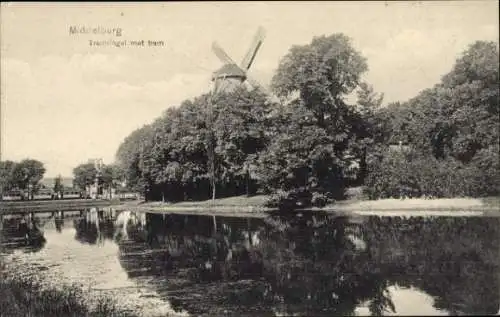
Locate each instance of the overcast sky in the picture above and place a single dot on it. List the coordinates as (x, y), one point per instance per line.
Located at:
(64, 101)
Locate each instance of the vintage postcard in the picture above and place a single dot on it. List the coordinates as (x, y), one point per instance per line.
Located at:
(249, 158)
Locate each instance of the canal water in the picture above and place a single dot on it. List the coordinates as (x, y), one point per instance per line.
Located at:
(304, 264)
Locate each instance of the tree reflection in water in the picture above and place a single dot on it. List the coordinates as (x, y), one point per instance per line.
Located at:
(94, 226)
(314, 264)
(453, 259)
(310, 264)
(22, 232)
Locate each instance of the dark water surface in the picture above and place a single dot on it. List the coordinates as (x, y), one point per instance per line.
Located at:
(309, 264)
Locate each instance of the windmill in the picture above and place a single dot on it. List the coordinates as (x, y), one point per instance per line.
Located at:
(231, 75)
(227, 78)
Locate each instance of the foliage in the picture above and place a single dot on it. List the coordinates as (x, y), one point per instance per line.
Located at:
(84, 175)
(313, 144)
(168, 159)
(318, 135)
(109, 176)
(7, 175)
(454, 126)
(368, 129)
(410, 174)
(322, 72)
(25, 175)
(28, 296)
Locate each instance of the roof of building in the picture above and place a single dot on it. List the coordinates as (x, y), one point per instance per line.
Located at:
(229, 70)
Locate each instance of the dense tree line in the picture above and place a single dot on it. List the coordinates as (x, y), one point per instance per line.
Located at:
(300, 148)
(311, 144)
(168, 159)
(452, 131)
(24, 176)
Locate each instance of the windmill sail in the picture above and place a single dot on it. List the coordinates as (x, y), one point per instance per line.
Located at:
(221, 54)
(254, 48)
(231, 70)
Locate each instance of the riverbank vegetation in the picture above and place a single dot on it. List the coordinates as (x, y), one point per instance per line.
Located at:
(309, 144)
(24, 176)
(29, 295)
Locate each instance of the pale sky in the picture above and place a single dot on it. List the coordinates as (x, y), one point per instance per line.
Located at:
(64, 101)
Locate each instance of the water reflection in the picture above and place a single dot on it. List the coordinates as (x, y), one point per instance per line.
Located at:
(316, 264)
(59, 221)
(304, 264)
(94, 226)
(22, 231)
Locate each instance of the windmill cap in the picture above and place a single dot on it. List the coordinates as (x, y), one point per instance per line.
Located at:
(228, 71)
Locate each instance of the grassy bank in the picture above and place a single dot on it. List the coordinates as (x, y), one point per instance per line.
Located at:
(231, 206)
(256, 204)
(237, 201)
(29, 295)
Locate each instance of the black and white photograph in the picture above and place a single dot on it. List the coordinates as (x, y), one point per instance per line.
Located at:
(287, 158)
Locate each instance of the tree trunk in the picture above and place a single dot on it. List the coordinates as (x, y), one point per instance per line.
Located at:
(213, 189)
(247, 183)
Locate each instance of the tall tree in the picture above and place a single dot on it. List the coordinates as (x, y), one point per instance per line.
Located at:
(27, 175)
(58, 185)
(241, 135)
(455, 128)
(368, 128)
(322, 73)
(7, 175)
(309, 154)
(130, 156)
(111, 175)
(84, 175)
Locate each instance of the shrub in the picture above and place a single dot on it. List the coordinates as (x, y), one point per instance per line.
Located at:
(321, 199)
(28, 295)
(408, 174)
(289, 200)
(299, 198)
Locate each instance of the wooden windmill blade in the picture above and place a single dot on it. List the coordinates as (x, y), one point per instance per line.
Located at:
(254, 48)
(221, 54)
